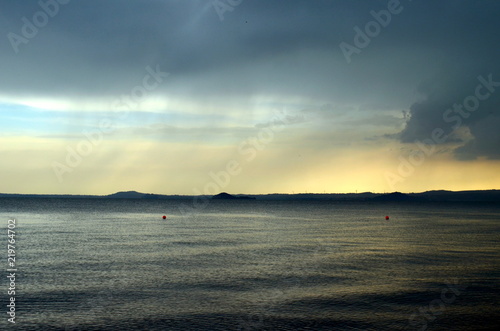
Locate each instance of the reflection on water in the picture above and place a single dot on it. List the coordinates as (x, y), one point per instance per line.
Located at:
(251, 265)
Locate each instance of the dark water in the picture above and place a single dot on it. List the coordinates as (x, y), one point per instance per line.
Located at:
(250, 265)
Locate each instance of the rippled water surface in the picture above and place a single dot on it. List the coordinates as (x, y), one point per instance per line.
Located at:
(92, 264)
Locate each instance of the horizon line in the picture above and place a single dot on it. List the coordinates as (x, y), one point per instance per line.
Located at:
(248, 194)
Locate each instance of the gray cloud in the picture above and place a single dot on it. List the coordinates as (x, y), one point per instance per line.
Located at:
(439, 111)
(102, 47)
(467, 41)
(427, 58)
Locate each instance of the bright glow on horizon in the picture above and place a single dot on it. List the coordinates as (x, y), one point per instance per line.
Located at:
(151, 167)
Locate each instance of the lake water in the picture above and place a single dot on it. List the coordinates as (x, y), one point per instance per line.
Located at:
(97, 264)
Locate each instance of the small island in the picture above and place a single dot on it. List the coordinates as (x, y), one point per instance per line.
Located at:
(227, 196)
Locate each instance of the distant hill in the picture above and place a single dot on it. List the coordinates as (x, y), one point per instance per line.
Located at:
(398, 196)
(227, 196)
(126, 195)
(318, 196)
(139, 195)
(442, 196)
(487, 195)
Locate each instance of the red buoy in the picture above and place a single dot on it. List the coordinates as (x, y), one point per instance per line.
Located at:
(387, 217)
(164, 217)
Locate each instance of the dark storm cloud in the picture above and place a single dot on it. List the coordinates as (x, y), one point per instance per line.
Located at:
(468, 37)
(94, 47)
(434, 50)
(465, 35)
(185, 34)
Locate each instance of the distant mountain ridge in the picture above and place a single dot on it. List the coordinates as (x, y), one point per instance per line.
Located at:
(227, 196)
(398, 196)
(440, 195)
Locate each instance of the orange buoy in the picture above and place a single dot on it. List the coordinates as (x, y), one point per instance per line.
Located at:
(164, 217)
(387, 217)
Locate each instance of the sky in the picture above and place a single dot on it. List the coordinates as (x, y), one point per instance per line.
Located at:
(249, 96)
